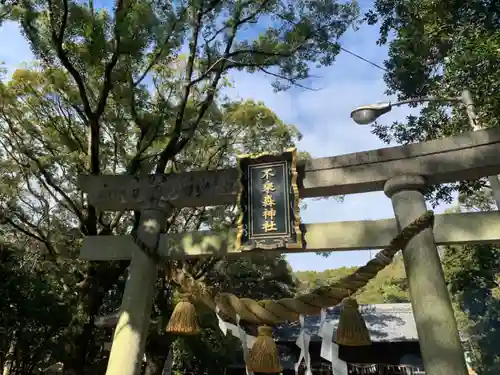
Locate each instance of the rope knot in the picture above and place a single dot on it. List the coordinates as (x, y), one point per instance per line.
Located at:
(265, 331)
(350, 302)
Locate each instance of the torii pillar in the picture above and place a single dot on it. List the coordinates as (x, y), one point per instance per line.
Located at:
(129, 341)
(440, 344)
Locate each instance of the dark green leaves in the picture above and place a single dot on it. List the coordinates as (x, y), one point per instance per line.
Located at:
(439, 49)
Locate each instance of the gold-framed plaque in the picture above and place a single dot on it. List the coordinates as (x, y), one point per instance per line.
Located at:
(268, 202)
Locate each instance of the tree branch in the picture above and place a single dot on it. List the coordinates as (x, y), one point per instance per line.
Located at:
(290, 80)
(23, 230)
(170, 149)
(120, 14)
(179, 145)
(49, 179)
(161, 49)
(58, 39)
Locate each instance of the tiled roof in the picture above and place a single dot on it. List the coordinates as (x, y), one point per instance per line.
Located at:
(389, 322)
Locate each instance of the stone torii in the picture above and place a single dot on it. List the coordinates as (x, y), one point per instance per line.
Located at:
(403, 173)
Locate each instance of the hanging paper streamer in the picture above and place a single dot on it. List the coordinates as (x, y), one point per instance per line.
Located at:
(246, 340)
(329, 349)
(322, 322)
(303, 342)
(222, 324)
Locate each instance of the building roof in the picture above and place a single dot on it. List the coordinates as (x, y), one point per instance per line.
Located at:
(389, 322)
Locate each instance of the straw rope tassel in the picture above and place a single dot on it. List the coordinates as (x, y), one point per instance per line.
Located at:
(263, 356)
(352, 330)
(184, 320)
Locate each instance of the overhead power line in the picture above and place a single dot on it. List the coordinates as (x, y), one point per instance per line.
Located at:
(365, 60)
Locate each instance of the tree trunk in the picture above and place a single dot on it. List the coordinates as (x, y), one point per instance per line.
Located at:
(78, 350)
(80, 346)
(154, 366)
(157, 349)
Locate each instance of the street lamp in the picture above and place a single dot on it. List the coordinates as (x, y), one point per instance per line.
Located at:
(366, 114)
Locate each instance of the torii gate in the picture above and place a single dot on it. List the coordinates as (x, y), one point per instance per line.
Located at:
(401, 172)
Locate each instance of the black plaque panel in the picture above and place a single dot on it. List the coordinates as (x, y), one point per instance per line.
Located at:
(268, 202)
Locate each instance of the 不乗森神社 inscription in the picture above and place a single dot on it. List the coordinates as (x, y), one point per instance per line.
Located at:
(268, 202)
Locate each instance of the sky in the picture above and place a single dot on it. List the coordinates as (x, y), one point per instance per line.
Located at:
(322, 116)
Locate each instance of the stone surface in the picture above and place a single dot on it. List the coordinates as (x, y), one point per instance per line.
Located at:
(464, 228)
(129, 340)
(434, 317)
(464, 157)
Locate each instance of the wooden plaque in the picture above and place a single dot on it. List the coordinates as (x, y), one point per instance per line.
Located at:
(268, 202)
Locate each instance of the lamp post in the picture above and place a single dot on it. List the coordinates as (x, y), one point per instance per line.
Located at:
(367, 114)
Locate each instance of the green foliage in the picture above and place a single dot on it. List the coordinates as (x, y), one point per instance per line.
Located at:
(259, 277)
(458, 48)
(389, 286)
(472, 273)
(234, 127)
(208, 352)
(135, 89)
(31, 300)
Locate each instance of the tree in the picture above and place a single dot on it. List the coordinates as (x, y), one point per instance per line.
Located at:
(234, 127)
(114, 94)
(30, 302)
(458, 48)
(473, 275)
(259, 276)
(389, 286)
(34, 314)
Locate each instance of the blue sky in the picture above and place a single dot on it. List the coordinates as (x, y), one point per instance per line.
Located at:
(322, 117)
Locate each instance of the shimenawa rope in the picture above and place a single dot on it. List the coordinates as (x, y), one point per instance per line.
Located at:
(288, 309)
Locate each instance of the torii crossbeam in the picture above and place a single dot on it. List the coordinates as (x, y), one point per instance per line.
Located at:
(402, 172)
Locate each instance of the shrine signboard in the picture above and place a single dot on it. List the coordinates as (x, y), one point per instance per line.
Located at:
(268, 201)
